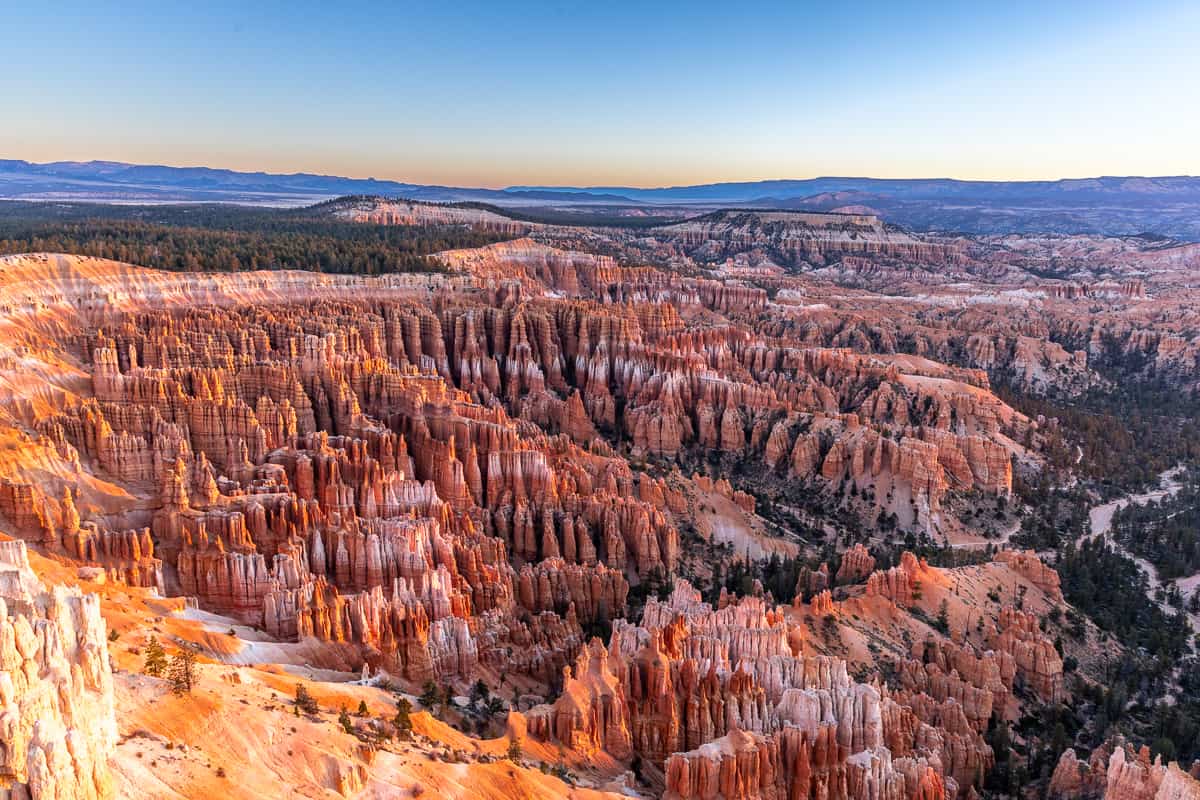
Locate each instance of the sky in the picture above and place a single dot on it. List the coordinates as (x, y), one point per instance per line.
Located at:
(610, 93)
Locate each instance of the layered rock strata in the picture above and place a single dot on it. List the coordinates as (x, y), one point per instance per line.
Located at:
(57, 723)
(725, 704)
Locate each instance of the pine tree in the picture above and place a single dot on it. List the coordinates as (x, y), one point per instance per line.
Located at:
(362, 708)
(182, 672)
(344, 721)
(156, 658)
(514, 748)
(431, 695)
(1058, 740)
(305, 701)
(943, 618)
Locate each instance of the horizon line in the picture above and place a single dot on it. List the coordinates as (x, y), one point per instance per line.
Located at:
(513, 187)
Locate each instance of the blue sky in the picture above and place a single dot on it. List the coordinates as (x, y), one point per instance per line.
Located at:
(610, 93)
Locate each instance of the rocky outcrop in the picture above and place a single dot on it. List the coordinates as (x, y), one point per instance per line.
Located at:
(423, 485)
(590, 714)
(1135, 779)
(387, 211)
(57, 723)
(897, 583)
(1115, 771)
(430, 477)
(802, 238)
(797, 764)
(456, 475)
(26, 506)
(978, 683)
(812, 581)
(1073, 778)
(722, 487)
(724, 704)
(1027, 564)
(857, 564)
(1038, 663)
(821, 604)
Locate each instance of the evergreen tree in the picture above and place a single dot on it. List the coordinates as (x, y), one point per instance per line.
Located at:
(514, 748)
(1058, 740)
(182, 672)
(305, 701)
(431, 696)
(156, 658)
(943, 618)
(999, 779)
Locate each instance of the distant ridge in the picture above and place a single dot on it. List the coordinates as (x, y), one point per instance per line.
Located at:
(1108, 205)
(114, 181)
(122, 181)
(770, 192)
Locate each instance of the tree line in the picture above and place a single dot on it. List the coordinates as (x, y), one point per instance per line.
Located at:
(230, 239)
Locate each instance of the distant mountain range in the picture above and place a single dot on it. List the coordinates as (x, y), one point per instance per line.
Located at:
(1167, 206)
(919, 189)
(114, 181)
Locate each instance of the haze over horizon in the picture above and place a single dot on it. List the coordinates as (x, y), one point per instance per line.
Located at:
(613, 186)
(544, 94)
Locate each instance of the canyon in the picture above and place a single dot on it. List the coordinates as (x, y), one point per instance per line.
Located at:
(532, 470)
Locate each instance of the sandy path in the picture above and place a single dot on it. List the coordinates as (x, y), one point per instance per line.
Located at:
(1101, 517)
(976, 542)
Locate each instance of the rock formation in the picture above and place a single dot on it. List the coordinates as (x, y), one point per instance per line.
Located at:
(1027, 563)
(857, 564)
(448, 476)
(1115, 771)
(57, 725)
(724, 704)
(802, 237)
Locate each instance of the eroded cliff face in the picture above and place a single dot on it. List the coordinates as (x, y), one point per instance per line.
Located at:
(747, 700)
(57, 725)
(909, 429)
(616, 359)
(982, 302)
(353, 498)
(1116, 771)
(434, 476)
(377, 211)
(725, 703)
(349, 472)
(420, 474)
(804, 238)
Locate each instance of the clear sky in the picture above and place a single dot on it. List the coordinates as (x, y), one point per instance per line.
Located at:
(610, 92)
